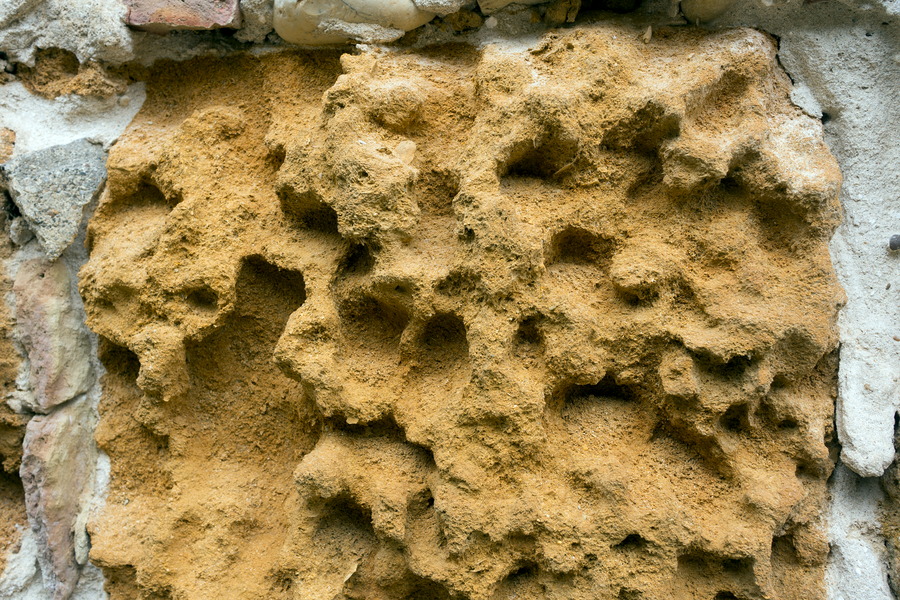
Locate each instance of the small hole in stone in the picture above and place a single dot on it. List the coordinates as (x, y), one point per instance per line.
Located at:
(203, 299)
(373, 323)
(357, 261)
(307, 209)
(444, 339)
(779, 382)
(276, 157)
(632, 541)
(736, 565)
(529, 332)
(736, 418)
(525, 571)
(578, 246)
(606, 388)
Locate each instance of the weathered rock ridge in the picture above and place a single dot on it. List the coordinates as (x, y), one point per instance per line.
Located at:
(469, 324)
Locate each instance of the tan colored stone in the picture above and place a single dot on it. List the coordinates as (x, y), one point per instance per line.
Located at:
(481, 323)
(7, 143)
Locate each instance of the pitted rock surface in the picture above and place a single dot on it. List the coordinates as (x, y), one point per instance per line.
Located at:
(469, 324)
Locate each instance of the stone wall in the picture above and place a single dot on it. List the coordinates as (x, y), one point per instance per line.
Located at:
(509, 308)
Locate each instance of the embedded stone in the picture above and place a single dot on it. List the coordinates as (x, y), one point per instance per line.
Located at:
(51, 188)
(57, 473)
(51, 330)
(162, 16)
(323, 22)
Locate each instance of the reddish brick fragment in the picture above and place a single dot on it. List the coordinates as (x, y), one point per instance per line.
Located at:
(162, 16)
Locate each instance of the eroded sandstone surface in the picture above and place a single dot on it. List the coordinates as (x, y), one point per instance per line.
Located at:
(452, 323)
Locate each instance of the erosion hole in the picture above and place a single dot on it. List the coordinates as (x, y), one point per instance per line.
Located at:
(357, 261)
(444, 339)
(783, 548)
(578, 246)
(375, 324)
(147, 194)
(548, 160)
(529, 336)
(203, 299)
(523, 572)
(632, 541)
(606, 388)
(736, 419)
(309, 211)
(267, 291)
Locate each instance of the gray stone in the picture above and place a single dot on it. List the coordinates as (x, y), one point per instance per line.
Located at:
(441, 7)
(92, 29)
(51, 188)
(10, 10)
(257, 20)
(57, 474)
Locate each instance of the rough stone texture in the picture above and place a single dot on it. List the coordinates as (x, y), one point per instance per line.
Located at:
(22, 578)
(51, 330)
(50, 327)
(324, 22)
(57, 72)
(856, 565)
(12, 425)
(890, 518)
(704, 10)
(51, 188)
(92, 29)
(552, 324)
(162, 16)
(442, 7)
(491, 6)
(7, 143)
(256, 21)
(12, 10)
(849, 74)
(57, 471)
(40, 122)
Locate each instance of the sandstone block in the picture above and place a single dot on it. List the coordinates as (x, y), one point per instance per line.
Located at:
(477, 323)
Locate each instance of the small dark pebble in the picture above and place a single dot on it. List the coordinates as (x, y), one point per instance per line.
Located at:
(894, 244)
